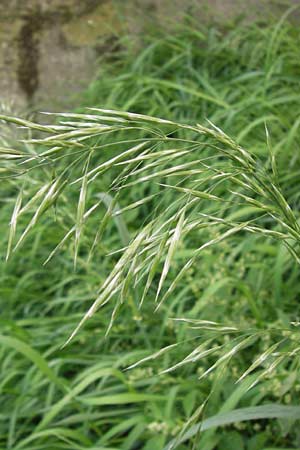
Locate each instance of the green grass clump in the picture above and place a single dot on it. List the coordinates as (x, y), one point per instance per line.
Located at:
(181, 219)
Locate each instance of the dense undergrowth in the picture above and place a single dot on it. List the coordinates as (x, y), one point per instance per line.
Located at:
(182, 187)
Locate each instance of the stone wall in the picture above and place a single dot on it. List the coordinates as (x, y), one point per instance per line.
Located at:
(49, 49)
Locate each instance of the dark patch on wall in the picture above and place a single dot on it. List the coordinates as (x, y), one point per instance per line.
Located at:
(28, 54)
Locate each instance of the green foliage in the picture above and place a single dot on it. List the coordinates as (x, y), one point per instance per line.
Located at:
(184, 234)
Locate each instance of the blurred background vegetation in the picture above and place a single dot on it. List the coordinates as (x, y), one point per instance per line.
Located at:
(238, 66)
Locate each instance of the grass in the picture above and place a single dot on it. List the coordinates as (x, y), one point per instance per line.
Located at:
(206, 214)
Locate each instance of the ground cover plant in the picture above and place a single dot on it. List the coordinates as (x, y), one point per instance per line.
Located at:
(170, 237)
